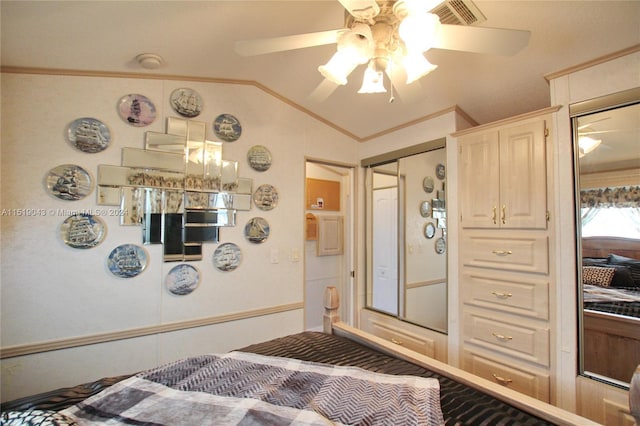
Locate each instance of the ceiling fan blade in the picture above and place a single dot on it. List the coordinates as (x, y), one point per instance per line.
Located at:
(482, 39)
(323, 91)
(279, 44)
(362, 9)
(584, 126)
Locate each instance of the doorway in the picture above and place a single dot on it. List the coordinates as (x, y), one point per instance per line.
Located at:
(329, 268)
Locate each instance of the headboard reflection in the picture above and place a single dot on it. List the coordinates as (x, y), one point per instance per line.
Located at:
(604, 246)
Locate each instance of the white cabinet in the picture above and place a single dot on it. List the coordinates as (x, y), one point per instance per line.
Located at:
(503, 173)
(504, 233)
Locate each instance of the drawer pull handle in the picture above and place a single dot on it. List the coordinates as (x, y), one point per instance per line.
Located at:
(397, 342)
(501, 295)
(502, 252)
(501, 336)
(504, 214)
(494, 216)
(502, 380)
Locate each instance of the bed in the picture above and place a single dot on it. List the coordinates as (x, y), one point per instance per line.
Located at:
(611, 300)
(341, 376)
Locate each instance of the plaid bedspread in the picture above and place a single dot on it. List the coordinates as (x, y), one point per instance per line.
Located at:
(612, 300)
(247, 389)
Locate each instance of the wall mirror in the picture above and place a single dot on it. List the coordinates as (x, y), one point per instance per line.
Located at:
(606, 140)
(406, 234)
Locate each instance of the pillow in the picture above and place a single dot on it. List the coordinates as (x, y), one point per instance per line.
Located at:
(632, 264)
(35, 417)
(597, 275)
(622, 276)
(595, 261)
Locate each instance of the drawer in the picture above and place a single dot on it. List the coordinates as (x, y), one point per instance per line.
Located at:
(528, 343)
(512, 293)
(534, 384)
(524, 254)
(411, 341)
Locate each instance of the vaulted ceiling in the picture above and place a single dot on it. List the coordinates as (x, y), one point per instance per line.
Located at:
(196, 39)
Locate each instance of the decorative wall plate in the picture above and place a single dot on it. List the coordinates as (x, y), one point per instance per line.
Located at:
(427, 184)
(69, 182)
(127, 260)
(425, 209)
(440, 171)
(259, 158)
(429, 230)
(82, 231)
(441, 245)
(182, 279)
(265, 197)
(137, 110)
(257, 230)
(89, 135)
(186, 102)
(227, 257)
(227, 127)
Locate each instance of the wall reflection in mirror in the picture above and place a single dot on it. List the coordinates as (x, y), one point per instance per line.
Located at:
(606, 135)
(406, 228)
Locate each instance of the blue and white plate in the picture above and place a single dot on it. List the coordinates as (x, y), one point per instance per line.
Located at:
(227, 257)
(82, 231)
(227, 127)
(183, 279)
(257, 230)
(137, 110)
(89, 135)
(69, 182)
(127, 261)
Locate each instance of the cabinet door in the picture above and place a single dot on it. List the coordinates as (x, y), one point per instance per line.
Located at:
(479, 180)
(523, 177)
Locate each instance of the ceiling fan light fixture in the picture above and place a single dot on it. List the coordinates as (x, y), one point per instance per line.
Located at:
(373, 81)
(416, 66)
(338, 68)
(587, 144)
(419, 31)
(355, 47)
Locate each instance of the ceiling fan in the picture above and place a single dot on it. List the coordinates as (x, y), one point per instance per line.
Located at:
(391, 36)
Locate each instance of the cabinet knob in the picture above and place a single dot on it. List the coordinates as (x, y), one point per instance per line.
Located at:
(502, 337)
(502, 252)
(501, 295)
(502, 380)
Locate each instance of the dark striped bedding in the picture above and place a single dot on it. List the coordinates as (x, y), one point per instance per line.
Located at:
(460, 404)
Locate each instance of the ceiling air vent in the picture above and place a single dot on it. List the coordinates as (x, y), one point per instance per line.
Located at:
(458, 12)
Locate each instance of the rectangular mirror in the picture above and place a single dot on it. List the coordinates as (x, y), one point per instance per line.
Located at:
(606, 135)
(406, 234)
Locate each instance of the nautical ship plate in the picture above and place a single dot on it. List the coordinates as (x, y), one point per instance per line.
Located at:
(182, 279)
(441, 245)
(227, 127)
(89, 135)
(137, 110)
(265, 197)
(429, 230)
(259, 158)
(82, 231)
(427, 184)
(257, 230)
(69, 182)
(227, 257)
(425, 209)
(186, 102)
(127, 261)
(440, 171)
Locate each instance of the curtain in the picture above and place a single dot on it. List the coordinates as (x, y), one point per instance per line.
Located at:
(622, 196)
